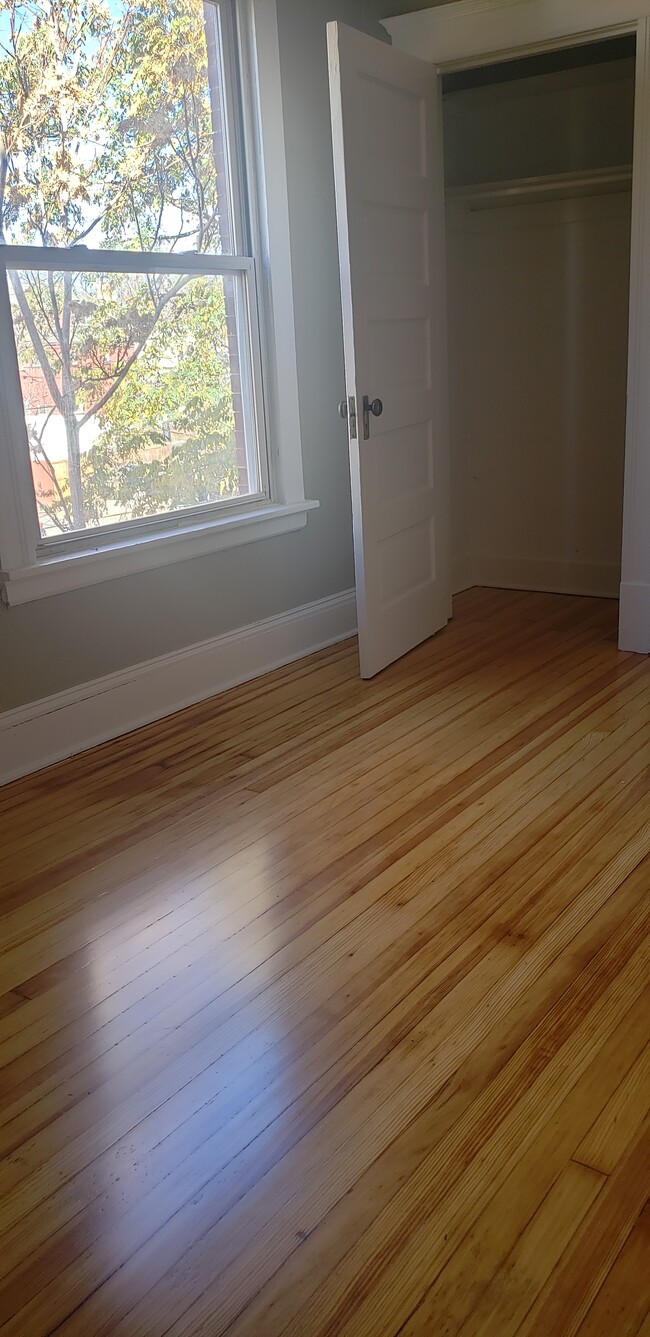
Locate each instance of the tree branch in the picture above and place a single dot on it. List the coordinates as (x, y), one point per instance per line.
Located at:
(51, 514)
(173, 291)
(88, 229)
(34, 292)
(54, 304)
(37, 342)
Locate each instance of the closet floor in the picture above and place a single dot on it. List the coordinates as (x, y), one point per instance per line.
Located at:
(325, 1003)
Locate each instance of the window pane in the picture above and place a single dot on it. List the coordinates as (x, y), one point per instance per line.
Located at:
(136, 392)
(112, 114)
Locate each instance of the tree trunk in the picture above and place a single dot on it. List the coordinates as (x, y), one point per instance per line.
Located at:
(74, 463)
(69, 412)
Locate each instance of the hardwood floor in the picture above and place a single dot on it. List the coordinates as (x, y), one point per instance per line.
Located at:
(325, 1004)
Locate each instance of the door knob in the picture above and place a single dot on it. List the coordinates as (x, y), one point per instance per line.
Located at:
(343, 408)
(375, 407)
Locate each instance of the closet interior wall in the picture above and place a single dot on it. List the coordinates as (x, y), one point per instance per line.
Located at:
(538, 175)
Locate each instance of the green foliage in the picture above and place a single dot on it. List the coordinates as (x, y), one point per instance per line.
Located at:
(161, 135)
(107, 139)
(106, 124)
(52, 103)
(170, 442)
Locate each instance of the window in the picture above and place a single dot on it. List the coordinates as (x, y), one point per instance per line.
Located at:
(133, 359)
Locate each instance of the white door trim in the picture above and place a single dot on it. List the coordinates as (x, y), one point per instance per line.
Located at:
(471, 30)
(468, 32)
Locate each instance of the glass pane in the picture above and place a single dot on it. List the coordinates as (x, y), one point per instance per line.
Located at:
(136, 393)
(112, 117)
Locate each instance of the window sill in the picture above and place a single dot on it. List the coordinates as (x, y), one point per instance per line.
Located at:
(71, 571)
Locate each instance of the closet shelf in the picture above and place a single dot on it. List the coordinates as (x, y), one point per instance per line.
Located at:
(563, 185)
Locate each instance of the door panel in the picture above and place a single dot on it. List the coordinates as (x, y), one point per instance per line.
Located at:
(390, 210)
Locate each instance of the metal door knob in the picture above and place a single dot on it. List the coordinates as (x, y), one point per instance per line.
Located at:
(376, 408)
(343, 408)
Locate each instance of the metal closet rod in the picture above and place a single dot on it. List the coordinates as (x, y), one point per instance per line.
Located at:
(597, 181)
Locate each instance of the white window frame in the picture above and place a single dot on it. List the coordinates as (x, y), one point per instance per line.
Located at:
(31, 568)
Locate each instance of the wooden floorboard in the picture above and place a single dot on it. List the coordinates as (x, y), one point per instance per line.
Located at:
(325, 1004)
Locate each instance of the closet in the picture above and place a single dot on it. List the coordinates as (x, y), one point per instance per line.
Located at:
(538, 172)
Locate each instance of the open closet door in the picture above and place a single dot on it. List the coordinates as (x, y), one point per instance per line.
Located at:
(386, 123)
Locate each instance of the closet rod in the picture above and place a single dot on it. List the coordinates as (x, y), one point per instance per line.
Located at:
(562, 185)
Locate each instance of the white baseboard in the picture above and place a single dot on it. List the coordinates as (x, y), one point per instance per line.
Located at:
(55, 727)
(634, 618)
(514, 573)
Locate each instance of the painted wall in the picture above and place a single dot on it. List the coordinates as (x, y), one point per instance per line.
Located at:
(59, 642)
(538, 350)
(571, 121)
(538, 303)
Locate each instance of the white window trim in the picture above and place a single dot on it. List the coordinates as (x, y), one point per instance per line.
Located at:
(23, 575)
(55, 575)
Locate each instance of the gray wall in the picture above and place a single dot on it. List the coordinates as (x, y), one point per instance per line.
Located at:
(570, 121)
(518, 442)
(61, 641)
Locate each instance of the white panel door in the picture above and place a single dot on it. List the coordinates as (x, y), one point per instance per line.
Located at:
(386, 122)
